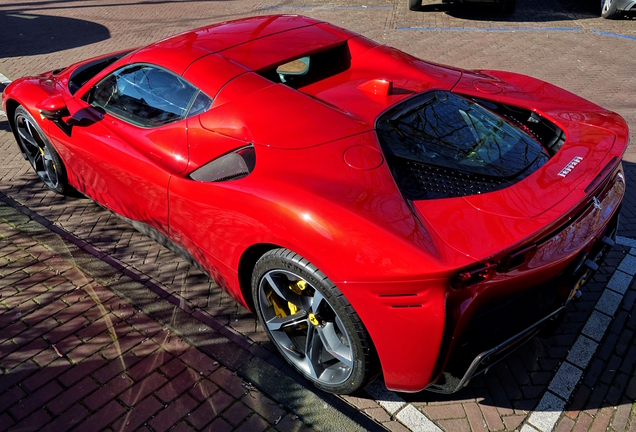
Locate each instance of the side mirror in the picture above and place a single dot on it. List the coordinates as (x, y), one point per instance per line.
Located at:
(53, 108)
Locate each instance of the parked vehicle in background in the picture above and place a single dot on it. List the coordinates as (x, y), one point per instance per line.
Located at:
(614, 8)
(503, 6)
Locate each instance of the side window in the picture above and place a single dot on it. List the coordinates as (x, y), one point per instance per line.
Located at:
(145, 95)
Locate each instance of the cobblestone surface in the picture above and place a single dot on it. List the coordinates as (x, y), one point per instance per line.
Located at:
(81, 357)
(563, 42)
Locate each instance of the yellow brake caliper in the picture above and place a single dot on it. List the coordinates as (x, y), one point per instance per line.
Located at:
(279, 307)
(298, 288)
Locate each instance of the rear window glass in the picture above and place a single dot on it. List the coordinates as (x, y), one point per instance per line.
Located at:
(459, 140)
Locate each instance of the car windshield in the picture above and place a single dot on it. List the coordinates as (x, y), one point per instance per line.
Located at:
(440, 129)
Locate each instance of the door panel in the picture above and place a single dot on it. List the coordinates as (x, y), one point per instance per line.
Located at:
(120, 165)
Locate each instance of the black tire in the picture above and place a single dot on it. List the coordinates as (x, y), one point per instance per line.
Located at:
(334, 320)
(38, 150)
(507, 7)
(415, 5)
(609, 9)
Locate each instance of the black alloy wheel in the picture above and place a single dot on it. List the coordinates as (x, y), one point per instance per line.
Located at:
(311, 323)
(37, 149)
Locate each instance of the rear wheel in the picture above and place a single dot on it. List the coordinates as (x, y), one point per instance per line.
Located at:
(609, 9)
(37, 149)
(311, 323)
(415, 5)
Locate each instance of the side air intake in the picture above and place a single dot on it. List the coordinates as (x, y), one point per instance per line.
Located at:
(231, 166)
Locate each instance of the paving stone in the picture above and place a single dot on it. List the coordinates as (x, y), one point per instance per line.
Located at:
(203, 389)
(211, 409)
(218, 425)
(387, 399)
(138, 415)
(108, 392)
(547, 412)
(237, 413)
(68, 420)
(475, 417)
(11, 397)
(140, 390)
(628, 265)
(565, 380)
(444, 411)
(178, 385)
(103, 417)
(264, 406)
(513, 422)
(582, 351)
(596, 325)
(71, 396)
(175, 411)
(609, 302)
(620, 282)
(35, 401)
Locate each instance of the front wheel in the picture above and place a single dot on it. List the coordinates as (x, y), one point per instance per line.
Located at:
(609, 10)
(37, 149)
(311, 323)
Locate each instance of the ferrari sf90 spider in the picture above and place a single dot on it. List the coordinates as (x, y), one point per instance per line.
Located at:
(378, 213)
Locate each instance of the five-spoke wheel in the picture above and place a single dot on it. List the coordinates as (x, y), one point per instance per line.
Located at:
(311, 323)
(39, 152)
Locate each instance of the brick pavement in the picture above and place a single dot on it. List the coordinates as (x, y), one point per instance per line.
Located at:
(555, 41)
(74, 355)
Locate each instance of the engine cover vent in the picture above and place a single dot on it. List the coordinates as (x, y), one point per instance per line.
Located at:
(419, 181)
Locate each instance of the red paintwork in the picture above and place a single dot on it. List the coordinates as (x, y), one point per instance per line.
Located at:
(321, 186)
(53, 103)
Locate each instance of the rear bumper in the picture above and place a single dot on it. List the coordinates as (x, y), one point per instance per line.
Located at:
(483, 361)
(547, 302)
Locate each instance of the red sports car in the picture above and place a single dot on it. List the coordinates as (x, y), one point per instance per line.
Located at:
(376, 211)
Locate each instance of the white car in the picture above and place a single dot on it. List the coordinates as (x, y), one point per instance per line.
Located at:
(614, 8)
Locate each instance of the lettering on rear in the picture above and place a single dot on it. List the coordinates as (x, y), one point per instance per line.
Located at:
(569, 167)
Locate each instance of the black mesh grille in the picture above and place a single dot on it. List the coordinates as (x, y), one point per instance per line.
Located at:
(501, 319)
(420, 181)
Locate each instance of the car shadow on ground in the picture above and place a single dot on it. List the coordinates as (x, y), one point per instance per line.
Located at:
(25, 34)
(4, 124)
(527, 11)
(70, 4)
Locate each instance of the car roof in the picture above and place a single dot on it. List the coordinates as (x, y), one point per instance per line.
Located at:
(250, 40)
(230, 60)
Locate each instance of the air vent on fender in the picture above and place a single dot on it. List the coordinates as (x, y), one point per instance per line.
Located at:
(231, 166)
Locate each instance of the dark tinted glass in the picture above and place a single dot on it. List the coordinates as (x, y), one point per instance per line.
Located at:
(84, 73)
(200, 104)
(144, 95)
(446, 131)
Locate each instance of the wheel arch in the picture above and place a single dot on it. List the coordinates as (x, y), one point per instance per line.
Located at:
(246, 265)
(12, 105)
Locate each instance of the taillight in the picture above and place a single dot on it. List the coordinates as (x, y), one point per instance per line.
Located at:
(517, 258)
(474, 276)
(611, 165)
